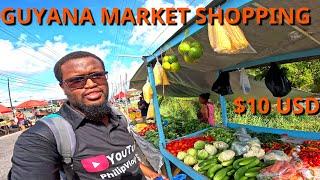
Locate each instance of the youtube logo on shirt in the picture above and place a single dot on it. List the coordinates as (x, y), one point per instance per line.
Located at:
(95, 164)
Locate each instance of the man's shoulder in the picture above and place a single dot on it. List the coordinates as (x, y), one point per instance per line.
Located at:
(40, 129)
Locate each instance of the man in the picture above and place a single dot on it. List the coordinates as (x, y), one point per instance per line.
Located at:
(104, 149)
(21, 120)
(143, 106)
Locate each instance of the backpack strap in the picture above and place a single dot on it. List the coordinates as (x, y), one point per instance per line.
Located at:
(65, 139)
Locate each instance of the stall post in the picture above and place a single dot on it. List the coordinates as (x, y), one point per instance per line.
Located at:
(224, 111)
(162, 139)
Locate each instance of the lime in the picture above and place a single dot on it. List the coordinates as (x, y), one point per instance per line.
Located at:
(166, 66)
(173, 59)
(196, 44)
(175, 67)
(165, 58)
(195, 52)
(188, 59)
(184, 47)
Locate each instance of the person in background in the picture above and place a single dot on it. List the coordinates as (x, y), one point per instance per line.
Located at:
(143, 106)
(206, 113)
(21, 119)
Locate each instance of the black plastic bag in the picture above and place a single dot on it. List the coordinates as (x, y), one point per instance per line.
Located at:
(277, 82)
(222, 84)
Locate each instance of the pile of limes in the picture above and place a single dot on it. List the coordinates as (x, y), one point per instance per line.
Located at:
(170, 63)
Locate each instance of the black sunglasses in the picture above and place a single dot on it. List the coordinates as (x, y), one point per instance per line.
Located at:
(80, 81)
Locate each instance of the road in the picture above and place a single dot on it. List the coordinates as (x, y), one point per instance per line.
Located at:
(6, 149)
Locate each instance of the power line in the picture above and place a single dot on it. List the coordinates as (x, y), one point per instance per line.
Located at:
(33, 37)
(39, 59)
(163, 31)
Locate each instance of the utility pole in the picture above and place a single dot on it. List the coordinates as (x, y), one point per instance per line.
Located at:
(10, 97)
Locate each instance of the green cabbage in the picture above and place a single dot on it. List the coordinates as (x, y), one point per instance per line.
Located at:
(199, 145)
(192, 152)
(202, 154)
(190, 160)
(181, 155)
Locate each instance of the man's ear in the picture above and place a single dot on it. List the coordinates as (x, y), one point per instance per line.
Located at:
(63, 87)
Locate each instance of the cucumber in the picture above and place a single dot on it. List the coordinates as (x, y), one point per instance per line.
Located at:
(253, 163)
(246, 161)
(226, 178)
(240, 173)
(206, 167)
(231, 172)
(255, 169)
(251, 174)
(214, 169)
(207, 162)
(221, 173)
(236, 163)
(243, 178)
(227, 163)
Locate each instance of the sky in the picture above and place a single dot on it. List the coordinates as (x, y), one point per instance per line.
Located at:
(28, 53)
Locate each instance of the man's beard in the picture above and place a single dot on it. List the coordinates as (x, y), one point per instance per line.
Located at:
(96, 112)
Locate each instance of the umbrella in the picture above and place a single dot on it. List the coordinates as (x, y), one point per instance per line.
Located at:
(31, 104)
(4, 109)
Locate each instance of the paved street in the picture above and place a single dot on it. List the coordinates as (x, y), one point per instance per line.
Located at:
(6, 149)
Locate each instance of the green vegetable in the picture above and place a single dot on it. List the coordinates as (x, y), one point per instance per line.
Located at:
(205, 168)
(221, 173)
(227, 163)
(214, 169)
(192, 152)
(181, 155)
(253, 163)
(251, 174)
(207, 162)
(190, 160)
(231, 172)
(240, 173)
(202, 154)
(243, 178)
(211, 149)
(199, 145)
(254, 169)
(236, 164)
(226, 155)
(226, 178)
(222, 134)
(246, 161)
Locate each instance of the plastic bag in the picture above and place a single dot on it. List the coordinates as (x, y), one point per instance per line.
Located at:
(157, 71)
(280, 170)
(160, 75)
(244, 82)
(147, 92)
(240, 148)
(277, 82)
(228, 39)
(242, 135)
(222, 84)
(150, 113)
(276, 155)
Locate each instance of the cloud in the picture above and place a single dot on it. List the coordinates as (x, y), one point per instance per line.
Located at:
(117, 69)
(36, 58)
(58, 38)
(147, 34)
(52, 91)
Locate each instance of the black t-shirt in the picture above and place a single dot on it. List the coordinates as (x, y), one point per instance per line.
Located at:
(143, 106)
(102, 152)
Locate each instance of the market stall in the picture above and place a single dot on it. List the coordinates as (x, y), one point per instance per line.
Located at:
(271, 44)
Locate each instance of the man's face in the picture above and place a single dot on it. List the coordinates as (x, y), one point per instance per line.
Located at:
(92, 94)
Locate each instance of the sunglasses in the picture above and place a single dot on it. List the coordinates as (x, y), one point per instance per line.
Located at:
(80, 81)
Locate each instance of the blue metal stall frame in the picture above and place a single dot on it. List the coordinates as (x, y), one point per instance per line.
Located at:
(176, 39)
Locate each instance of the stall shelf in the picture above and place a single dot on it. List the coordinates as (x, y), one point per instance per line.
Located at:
(306, 51)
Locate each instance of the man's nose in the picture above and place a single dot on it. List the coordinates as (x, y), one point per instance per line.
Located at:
(90, 84)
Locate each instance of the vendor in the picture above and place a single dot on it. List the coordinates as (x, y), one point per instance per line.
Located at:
(143, 106)
(206, 113)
